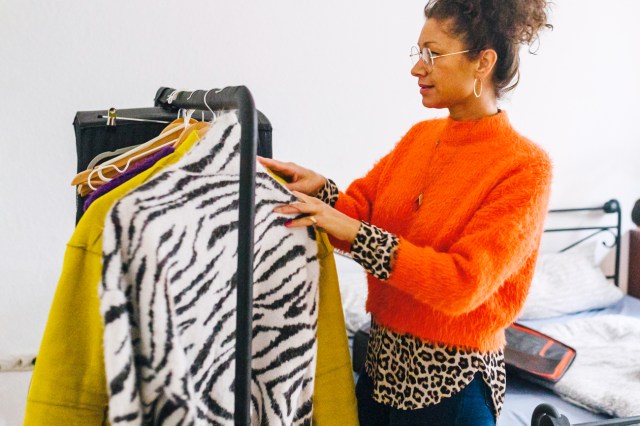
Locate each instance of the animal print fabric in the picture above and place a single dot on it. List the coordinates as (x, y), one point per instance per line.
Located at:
(168, 296)
(373, 248)
(409, 373)
(328, 194)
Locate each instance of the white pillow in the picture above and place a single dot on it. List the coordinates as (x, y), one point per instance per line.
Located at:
(569, 282)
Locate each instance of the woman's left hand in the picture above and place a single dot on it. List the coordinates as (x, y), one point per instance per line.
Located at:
(320, 215)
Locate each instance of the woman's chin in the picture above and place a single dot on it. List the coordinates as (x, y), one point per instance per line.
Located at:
(431, 103)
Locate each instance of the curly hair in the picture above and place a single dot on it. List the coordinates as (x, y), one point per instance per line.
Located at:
(502, 25)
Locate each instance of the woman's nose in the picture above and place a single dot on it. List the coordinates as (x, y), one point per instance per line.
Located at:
(419, 69)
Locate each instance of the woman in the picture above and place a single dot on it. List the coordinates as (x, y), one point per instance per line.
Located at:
(447, 225)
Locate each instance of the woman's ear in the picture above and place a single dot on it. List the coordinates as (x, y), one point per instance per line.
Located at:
(486, 62)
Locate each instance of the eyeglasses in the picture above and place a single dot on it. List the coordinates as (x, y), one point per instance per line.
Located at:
(428, 56)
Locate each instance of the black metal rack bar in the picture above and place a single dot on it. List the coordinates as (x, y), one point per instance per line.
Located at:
(240, 98)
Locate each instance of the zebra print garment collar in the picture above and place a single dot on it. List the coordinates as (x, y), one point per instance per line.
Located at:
(167, 296)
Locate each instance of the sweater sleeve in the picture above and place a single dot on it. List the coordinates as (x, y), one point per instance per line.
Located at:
(501, 235)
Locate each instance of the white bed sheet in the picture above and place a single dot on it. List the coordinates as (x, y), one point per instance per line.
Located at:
(522, 396)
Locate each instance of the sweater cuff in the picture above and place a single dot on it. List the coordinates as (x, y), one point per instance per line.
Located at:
(374, 248)
(328, 194)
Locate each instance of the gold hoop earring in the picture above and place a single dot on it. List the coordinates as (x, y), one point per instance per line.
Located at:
(475, 92)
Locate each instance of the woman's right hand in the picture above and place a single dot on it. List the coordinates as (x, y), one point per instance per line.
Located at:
(298, 178)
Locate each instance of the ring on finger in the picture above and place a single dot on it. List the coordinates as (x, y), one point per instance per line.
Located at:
(313, 219)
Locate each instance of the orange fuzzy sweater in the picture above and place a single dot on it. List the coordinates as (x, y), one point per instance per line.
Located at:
(466, 255)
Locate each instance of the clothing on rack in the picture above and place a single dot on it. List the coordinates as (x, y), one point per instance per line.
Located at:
(88, 180)
(334, 399)
(73, 390)
(94, 137)
(168, 296)
(106, 156)
(68, 386)
(136, 169)
(68, 383)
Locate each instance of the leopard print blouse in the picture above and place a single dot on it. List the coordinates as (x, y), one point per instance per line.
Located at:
(409, 373)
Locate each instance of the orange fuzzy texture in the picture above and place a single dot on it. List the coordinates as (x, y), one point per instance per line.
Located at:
(467, 254)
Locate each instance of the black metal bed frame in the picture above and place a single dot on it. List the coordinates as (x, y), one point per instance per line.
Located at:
(546, 414)
(610, 207)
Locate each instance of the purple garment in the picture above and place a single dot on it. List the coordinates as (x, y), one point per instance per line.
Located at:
(134, 170)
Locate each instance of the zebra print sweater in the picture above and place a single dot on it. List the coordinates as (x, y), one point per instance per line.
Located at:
(168, 296)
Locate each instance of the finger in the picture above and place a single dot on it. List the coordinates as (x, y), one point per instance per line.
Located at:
(293, 186)
(304, 197)
(295, 208)
(300, 223)
(275, 165)
(287, 209)
(264, 161)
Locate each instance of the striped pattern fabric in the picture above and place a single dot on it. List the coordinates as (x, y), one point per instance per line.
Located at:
(168, 296)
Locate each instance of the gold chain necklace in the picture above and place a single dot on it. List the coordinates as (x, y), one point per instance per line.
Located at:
(418, 200)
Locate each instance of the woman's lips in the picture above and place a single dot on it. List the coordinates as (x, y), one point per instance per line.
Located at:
(424, 89)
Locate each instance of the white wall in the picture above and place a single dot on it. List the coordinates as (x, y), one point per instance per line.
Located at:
(333, 77)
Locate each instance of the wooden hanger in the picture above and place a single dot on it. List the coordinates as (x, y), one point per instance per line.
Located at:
(167, 135)
(201, 128)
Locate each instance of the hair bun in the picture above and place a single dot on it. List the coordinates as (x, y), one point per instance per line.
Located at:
(519, 21)
(502, 25)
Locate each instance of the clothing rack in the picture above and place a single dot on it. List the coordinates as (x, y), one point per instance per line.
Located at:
(100, 131)
(240, 98)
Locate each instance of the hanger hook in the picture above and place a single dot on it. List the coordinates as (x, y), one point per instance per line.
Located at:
(172, 97)
(213, 114)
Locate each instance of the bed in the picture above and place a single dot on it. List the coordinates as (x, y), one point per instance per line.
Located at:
(569, 296)
(523, 396)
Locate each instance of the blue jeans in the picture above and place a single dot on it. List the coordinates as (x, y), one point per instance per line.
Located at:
(473, 406)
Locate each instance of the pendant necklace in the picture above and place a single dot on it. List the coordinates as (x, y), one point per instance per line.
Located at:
(420, 197)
